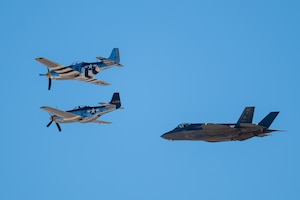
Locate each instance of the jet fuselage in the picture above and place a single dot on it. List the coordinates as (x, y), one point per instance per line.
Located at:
(215, 132)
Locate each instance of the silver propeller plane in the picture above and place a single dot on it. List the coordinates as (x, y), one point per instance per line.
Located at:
(81, 71)
(242, 130)
(84, 114)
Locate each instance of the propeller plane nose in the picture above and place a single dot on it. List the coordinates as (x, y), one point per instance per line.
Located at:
(52, 119)
(48, 75)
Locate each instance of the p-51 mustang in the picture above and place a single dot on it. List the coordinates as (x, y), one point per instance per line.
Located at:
(84, 114)
(81, 71)
(242, 130)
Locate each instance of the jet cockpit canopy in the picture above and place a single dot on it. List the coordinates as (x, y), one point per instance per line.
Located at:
(183, 125)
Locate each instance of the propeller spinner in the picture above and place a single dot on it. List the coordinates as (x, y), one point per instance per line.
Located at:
(52, 118)
(48, 75)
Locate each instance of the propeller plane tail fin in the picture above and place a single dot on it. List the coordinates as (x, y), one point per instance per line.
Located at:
(113, 59)
(115, 100)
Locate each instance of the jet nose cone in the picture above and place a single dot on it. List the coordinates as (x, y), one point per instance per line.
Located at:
(165, 136)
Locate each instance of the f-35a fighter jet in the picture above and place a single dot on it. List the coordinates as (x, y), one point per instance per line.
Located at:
(210, 132)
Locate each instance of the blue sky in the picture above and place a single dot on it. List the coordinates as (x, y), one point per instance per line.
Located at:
(184, 61)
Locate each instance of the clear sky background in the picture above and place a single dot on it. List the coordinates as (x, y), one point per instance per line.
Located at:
(184, 61)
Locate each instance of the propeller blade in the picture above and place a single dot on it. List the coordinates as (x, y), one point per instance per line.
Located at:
(49, 123)
(58, 126)
(49, 84)
(49, 77)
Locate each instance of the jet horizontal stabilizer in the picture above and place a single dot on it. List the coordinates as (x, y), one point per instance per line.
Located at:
(272, 130)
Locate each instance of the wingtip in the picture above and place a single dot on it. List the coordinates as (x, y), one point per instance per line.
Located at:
(43, 107)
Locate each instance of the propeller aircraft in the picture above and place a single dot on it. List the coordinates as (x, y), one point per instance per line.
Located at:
(84, 114)
(81, 71)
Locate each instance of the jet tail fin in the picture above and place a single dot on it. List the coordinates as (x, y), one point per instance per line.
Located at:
(268, 120)
(246, 116)
(115, 100)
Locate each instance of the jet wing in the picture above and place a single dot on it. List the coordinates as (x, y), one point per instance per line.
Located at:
(63, 71)
(91, 80)
(62, 114)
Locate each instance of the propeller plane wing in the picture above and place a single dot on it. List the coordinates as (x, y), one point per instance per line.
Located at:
(59, 113)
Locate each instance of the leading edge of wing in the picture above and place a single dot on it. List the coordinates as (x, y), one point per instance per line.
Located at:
(48, 63)
(60, 113)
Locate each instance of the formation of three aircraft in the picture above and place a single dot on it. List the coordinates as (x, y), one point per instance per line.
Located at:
(84, 71)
